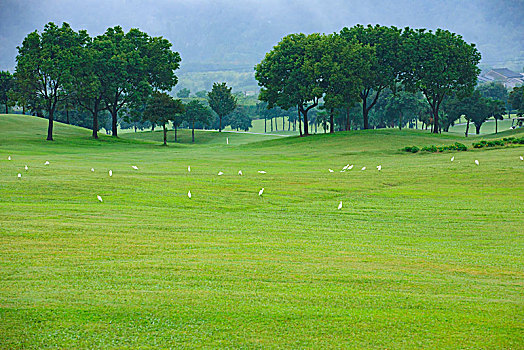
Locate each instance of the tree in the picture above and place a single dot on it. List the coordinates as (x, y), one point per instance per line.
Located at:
(201, 94)
(516, 99)
(6, 86)
(290, 74)
(196, 112)
(132, 65)
(496, 110)
(439, 63)
(183, 93)
(344, 65)
(385, 62)
(161, 108)
(44, 69)
(240, 120)
(221, 101)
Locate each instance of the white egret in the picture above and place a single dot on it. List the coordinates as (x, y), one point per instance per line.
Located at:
(521, 158)
(343, 170)
(363, 168)
(46, 162)
(476, 162)
(330, 170)
(26, 168)
(220, 173)
(453, 158)
(227, 140)
(379, 167)
(261, 191)
(134, 167)
(110, 172)
(99, 198)
(261, 172)
(350, 167)
(189, 194)
(9, 158)
(189, 168)
(92, 169)
(340, 205)
(19, 175)
(240, 172)
(347, 166)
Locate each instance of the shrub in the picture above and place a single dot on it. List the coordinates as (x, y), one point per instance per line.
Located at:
(431, 148)
(477, 145)
(412, 149)
(460, 147)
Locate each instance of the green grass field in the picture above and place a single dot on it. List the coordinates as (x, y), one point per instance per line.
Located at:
(426, 253)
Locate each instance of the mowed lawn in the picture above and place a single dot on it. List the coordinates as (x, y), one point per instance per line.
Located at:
(426, 253)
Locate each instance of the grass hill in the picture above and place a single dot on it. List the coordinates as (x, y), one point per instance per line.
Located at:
(424, 253)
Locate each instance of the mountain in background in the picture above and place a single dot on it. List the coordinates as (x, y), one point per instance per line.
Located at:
(233, 36)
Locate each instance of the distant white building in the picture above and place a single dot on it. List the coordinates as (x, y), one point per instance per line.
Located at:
(507, 77)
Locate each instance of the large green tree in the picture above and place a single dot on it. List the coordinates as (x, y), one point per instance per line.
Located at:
(162, 108)
(221, 101)
(290, 74)
(344, 65)
(385, 62)
(6, 86)
(196, 112)
(516, 99)
(439, 63)
(132, 65)
(44, 67)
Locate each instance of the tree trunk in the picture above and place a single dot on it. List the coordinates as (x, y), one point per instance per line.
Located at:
(23, 109)
(299, 122)
(283, 123)
(6, 109)
(193, 133)
(67, 116)
(165, 134)
(220, 123)
(271, 124)
(265, 125)
(400, 122)
(496, 126)
(435, 121)
(306, 126)
(288, 124)
(50, 125)
(114, 115)
(331, 121)
(176, 139)
(467, 127)
(348, 126)
(95, 123)
(135, 127)
(477, 129)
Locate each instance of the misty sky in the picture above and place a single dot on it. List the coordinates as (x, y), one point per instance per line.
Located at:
(227, 33)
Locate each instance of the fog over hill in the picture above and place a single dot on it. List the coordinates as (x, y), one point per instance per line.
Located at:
(227, 34)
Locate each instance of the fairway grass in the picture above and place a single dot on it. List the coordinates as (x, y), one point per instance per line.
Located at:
(426, 253)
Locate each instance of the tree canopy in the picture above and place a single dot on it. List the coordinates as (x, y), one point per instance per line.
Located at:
(221, 101)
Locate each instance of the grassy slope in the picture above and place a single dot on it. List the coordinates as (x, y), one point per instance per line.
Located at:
(426, 253)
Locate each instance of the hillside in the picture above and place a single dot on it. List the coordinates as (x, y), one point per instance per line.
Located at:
(423, 253)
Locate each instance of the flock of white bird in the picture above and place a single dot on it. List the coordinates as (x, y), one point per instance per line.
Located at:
(345, 168)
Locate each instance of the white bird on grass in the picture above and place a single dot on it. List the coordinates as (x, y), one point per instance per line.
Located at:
(19, 175)
(476, 162)
(99, 198)
(134, 167)
(521, 158)
(363, 168)
(350, 167)
(340, 205)
(26, 168)
(9, 158)
(261, 191)
(453, 158)
(240, 172)
(227, 140)
(220, 173)
(92, 169)
(189, 168)
(379, 167)
(46, 162)
(110, 172)
(189, 194)
(343, 170)
(347, 166)
(330, 170)
(261, 172)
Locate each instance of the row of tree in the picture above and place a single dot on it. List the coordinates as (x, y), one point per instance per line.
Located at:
(359, 64)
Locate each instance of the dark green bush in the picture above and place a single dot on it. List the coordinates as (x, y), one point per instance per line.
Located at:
(431, 148)
(460, 147)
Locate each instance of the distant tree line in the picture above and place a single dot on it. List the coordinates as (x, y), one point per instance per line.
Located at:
(391, 75)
